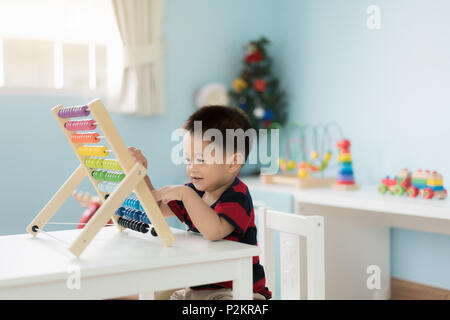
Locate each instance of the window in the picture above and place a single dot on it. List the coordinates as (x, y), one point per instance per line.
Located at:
(27, 63)
(60, 44)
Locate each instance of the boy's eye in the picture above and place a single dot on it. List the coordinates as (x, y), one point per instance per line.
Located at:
(196, 161)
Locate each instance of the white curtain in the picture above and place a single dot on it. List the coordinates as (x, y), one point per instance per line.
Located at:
(141, 87)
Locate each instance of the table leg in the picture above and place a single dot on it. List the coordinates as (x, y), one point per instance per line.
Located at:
(243, 284)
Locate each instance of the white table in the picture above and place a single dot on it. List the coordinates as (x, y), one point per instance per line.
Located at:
(118, 264)
(357, 231)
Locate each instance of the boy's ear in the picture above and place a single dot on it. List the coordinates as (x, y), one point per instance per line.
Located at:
(236, 161)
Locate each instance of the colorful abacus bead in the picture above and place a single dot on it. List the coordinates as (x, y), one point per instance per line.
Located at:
(80, 125)
(107, 187)
(108, 164)
(94, 163)
(79, 138)
(111, 164)
(132, 203)
(93, 151)
(108, 176)
(71, 112)
(133, 225)
(133, 214)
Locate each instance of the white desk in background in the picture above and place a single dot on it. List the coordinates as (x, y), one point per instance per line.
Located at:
(357, 231)
(118, 264)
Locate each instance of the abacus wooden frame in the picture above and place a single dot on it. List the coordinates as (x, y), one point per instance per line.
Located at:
(134, 180)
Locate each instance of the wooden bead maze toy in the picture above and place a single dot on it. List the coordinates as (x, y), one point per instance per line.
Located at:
(114, 180)
(304, 167)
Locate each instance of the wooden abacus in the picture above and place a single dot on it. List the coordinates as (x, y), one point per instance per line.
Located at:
(113, 185)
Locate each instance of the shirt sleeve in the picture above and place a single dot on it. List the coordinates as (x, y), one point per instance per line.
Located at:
(178, 209)
(235, 208)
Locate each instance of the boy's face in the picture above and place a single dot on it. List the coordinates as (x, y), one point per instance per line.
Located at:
(206, 167)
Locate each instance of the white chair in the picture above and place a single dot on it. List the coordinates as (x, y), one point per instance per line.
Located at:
(294, 229)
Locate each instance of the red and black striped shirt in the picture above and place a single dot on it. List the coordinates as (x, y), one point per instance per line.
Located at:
(235, 205)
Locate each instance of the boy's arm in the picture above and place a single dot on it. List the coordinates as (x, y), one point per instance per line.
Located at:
(210, 225)
(137, 156)
(166, 211)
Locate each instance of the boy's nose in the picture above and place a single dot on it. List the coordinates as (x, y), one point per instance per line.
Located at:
(194, 168)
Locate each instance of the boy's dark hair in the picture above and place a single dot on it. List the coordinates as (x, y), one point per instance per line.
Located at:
(222, 118)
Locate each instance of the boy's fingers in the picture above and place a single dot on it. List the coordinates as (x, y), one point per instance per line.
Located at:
(156, 195)
(135, 153)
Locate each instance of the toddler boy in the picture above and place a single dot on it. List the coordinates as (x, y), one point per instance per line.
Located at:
(216, 202)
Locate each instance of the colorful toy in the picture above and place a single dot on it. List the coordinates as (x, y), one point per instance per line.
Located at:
(302, 166)
(91, 204)
(427, 184)
(113, 179)
(345, 179)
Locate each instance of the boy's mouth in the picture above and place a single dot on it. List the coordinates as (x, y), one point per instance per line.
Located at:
(197, 179)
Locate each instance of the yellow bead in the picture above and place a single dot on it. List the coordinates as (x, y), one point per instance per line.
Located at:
(302, 173)
(94, 151)
(291, 165)
(327, 156)
(314, 154)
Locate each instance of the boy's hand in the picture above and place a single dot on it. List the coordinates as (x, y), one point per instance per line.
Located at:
(137, 156)
(84, 198)
(169, 193)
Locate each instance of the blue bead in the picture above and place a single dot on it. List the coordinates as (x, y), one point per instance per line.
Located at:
(119, 211)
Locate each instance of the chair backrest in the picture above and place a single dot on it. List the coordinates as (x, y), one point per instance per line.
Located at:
(292, 227)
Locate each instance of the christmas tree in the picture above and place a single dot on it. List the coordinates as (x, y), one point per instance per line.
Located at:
(256, 90)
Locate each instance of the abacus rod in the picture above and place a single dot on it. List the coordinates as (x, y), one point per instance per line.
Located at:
(51, 236)
(75, 223)
(84, 223)
(103, 214)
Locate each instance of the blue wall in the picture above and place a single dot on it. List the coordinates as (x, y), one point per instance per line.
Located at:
(387, 88)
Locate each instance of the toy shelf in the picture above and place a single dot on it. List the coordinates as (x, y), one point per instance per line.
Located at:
(366, 198)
